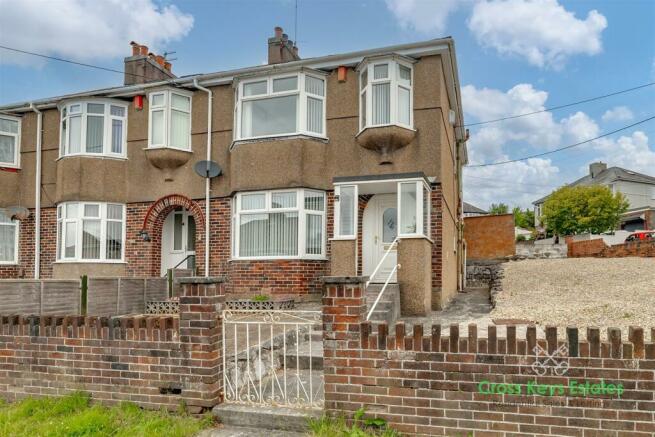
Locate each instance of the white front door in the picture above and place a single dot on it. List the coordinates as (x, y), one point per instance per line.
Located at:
(178, 240)
(380, 228)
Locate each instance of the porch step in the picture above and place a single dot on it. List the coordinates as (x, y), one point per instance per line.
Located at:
(264, 417)
(301, 358)
(388, 308)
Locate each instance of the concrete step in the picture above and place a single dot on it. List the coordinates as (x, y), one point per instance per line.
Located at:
(239, 431)
(307, 352)
(388, 307)
(265, 418)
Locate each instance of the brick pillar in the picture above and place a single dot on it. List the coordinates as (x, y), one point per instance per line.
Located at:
(201, 338)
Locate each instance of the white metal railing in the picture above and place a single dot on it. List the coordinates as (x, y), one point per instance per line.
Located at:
(268, 358)
(386, 252)
(384, 287)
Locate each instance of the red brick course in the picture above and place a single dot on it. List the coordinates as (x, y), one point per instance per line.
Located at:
(598, 248)
(426, 383)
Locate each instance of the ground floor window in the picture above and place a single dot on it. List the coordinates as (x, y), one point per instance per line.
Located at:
(90, 231)
(8, 240)
(279, 224)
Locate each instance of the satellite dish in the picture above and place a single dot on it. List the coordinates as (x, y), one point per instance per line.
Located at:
(208, 169)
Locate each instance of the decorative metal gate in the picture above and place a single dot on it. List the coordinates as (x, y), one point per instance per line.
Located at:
(273, 358)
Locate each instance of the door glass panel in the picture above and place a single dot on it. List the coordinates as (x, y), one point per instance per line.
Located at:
(191, 234)
(389, 225)
(178, 226)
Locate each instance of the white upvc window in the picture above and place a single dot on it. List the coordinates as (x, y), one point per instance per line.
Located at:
(90, 232)
(8, 240)
(346, 205)
(385, 93)
(281, 105)
(93, 127)
(413, 209)
(9, 141)
(279, 224)
(170, 119)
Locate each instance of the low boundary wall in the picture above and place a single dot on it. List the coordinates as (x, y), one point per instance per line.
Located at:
(598, 248)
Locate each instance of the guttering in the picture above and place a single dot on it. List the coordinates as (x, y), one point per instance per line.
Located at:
(210, 98)
(37, 196)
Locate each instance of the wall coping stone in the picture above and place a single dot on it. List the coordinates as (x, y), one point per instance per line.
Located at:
(201, 280)
(344, 279)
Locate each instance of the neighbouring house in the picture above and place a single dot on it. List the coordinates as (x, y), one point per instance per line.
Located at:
(319, 165)
(473, 211)
(638, 189)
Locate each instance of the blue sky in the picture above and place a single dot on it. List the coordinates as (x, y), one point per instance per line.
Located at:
(514, 56)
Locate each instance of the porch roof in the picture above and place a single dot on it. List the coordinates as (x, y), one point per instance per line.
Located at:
(380, 184)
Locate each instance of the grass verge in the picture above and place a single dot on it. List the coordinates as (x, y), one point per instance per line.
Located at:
(75, 416)
(327, 426)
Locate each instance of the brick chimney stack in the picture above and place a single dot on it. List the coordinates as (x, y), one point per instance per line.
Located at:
(595, 168)
(143, 66)
(281, 49)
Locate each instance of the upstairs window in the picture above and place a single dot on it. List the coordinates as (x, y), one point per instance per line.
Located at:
(90, 232)
(9, 141)
(385, 93)
(93, 128)
(170, 120)
(8, 240)
(281, 105)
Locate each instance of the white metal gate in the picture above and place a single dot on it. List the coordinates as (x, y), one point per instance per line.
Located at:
(273, 358)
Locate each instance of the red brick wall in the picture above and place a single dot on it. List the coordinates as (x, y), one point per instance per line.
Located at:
(598, 248)
(489, 237)
(153, 361)
(434, 384)
(436, 232)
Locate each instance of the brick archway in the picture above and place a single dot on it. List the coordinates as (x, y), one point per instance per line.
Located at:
(153, 224)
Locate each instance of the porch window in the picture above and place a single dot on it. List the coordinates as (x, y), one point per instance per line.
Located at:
(170, 119)
(90, 231)
(281, 105)
(414, 209)
(8, 240)
(279, 224)
(385, 93)
(94, 127)
(345, 210)
(9, 141)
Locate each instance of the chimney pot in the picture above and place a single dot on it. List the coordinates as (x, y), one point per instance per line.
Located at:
(144, 50)
(167, 66)
(278, 32)
(136, 48)
(285, 37)
(160, 60)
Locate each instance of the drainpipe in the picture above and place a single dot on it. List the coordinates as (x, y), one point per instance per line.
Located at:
(37, 195)
(210, 98)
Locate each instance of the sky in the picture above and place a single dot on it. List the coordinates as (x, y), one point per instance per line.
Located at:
(514, 56)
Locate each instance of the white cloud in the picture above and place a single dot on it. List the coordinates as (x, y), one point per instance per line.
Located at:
(618, 113)
(630, 152)
(88, 30)
(541, 31)
(423, 16)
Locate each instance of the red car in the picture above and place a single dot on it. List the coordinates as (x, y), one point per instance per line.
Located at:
(641, 236)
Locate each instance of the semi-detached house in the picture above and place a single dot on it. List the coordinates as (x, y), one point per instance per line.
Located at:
(324, 163)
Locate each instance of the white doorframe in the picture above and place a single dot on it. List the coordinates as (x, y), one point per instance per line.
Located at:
(177, 240)
(373, 236)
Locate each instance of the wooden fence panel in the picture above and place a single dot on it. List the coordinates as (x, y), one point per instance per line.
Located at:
(102, 297)
(20, 297)
(60, 297)
(156, 289)
(131, 296)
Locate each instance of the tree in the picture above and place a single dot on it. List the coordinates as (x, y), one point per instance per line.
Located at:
(574, 210)
(523, 219)
(497, 209)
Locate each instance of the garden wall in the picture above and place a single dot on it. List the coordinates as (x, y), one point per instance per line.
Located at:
(538, 250)
(598, 248)
(489, 236)
(153, 361)
(434, 384)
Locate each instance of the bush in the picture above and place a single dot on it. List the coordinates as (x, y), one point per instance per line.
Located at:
(521, 237)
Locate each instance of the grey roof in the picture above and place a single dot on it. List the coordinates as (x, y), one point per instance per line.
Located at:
(472, 209)
(608, 176)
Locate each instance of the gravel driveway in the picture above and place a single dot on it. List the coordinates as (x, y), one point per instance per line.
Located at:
(582, 292)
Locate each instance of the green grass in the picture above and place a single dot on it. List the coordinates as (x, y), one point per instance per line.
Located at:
(327, 426)
(75, 416)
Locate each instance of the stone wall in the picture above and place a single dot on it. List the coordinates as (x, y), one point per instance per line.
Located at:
(489, 237)
(485, 274)
(435, 384)
(535, 250)
(598, 248)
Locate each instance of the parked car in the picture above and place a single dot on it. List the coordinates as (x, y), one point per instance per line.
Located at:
(641, 236)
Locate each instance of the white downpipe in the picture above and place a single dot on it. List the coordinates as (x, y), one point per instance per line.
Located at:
(210, 98)
(37, 196)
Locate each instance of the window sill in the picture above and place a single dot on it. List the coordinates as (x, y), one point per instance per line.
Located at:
(9, 263)
(402, 126)
(415, 237)
(342, 238)
(279, 258)
(9, 168)
(279, 138)
(179, 149)
(87, 261)
(93, 155)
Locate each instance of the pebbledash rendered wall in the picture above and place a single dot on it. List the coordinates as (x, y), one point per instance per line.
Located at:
(427, 383)
(155, 361)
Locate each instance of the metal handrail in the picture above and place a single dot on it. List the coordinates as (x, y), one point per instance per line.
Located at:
(370, 279)
(180, 263)
(384, 287)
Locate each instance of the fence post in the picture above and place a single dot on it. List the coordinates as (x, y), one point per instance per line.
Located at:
(83, 294)
(118, 296)
(41, 298)
(169, 277)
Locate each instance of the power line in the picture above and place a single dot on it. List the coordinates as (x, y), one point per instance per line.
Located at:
(503, 188)
(553, 108)
(510, 182)
(54, 58)
(565, 147)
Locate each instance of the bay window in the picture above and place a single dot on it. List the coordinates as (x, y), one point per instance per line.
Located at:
(414, 209)
(279, 224)
(345, 212)
(385, 93)
(9, 141)
(170, 119)
(90, 232)
(93, 127)
(8, 240)
(281, 105)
